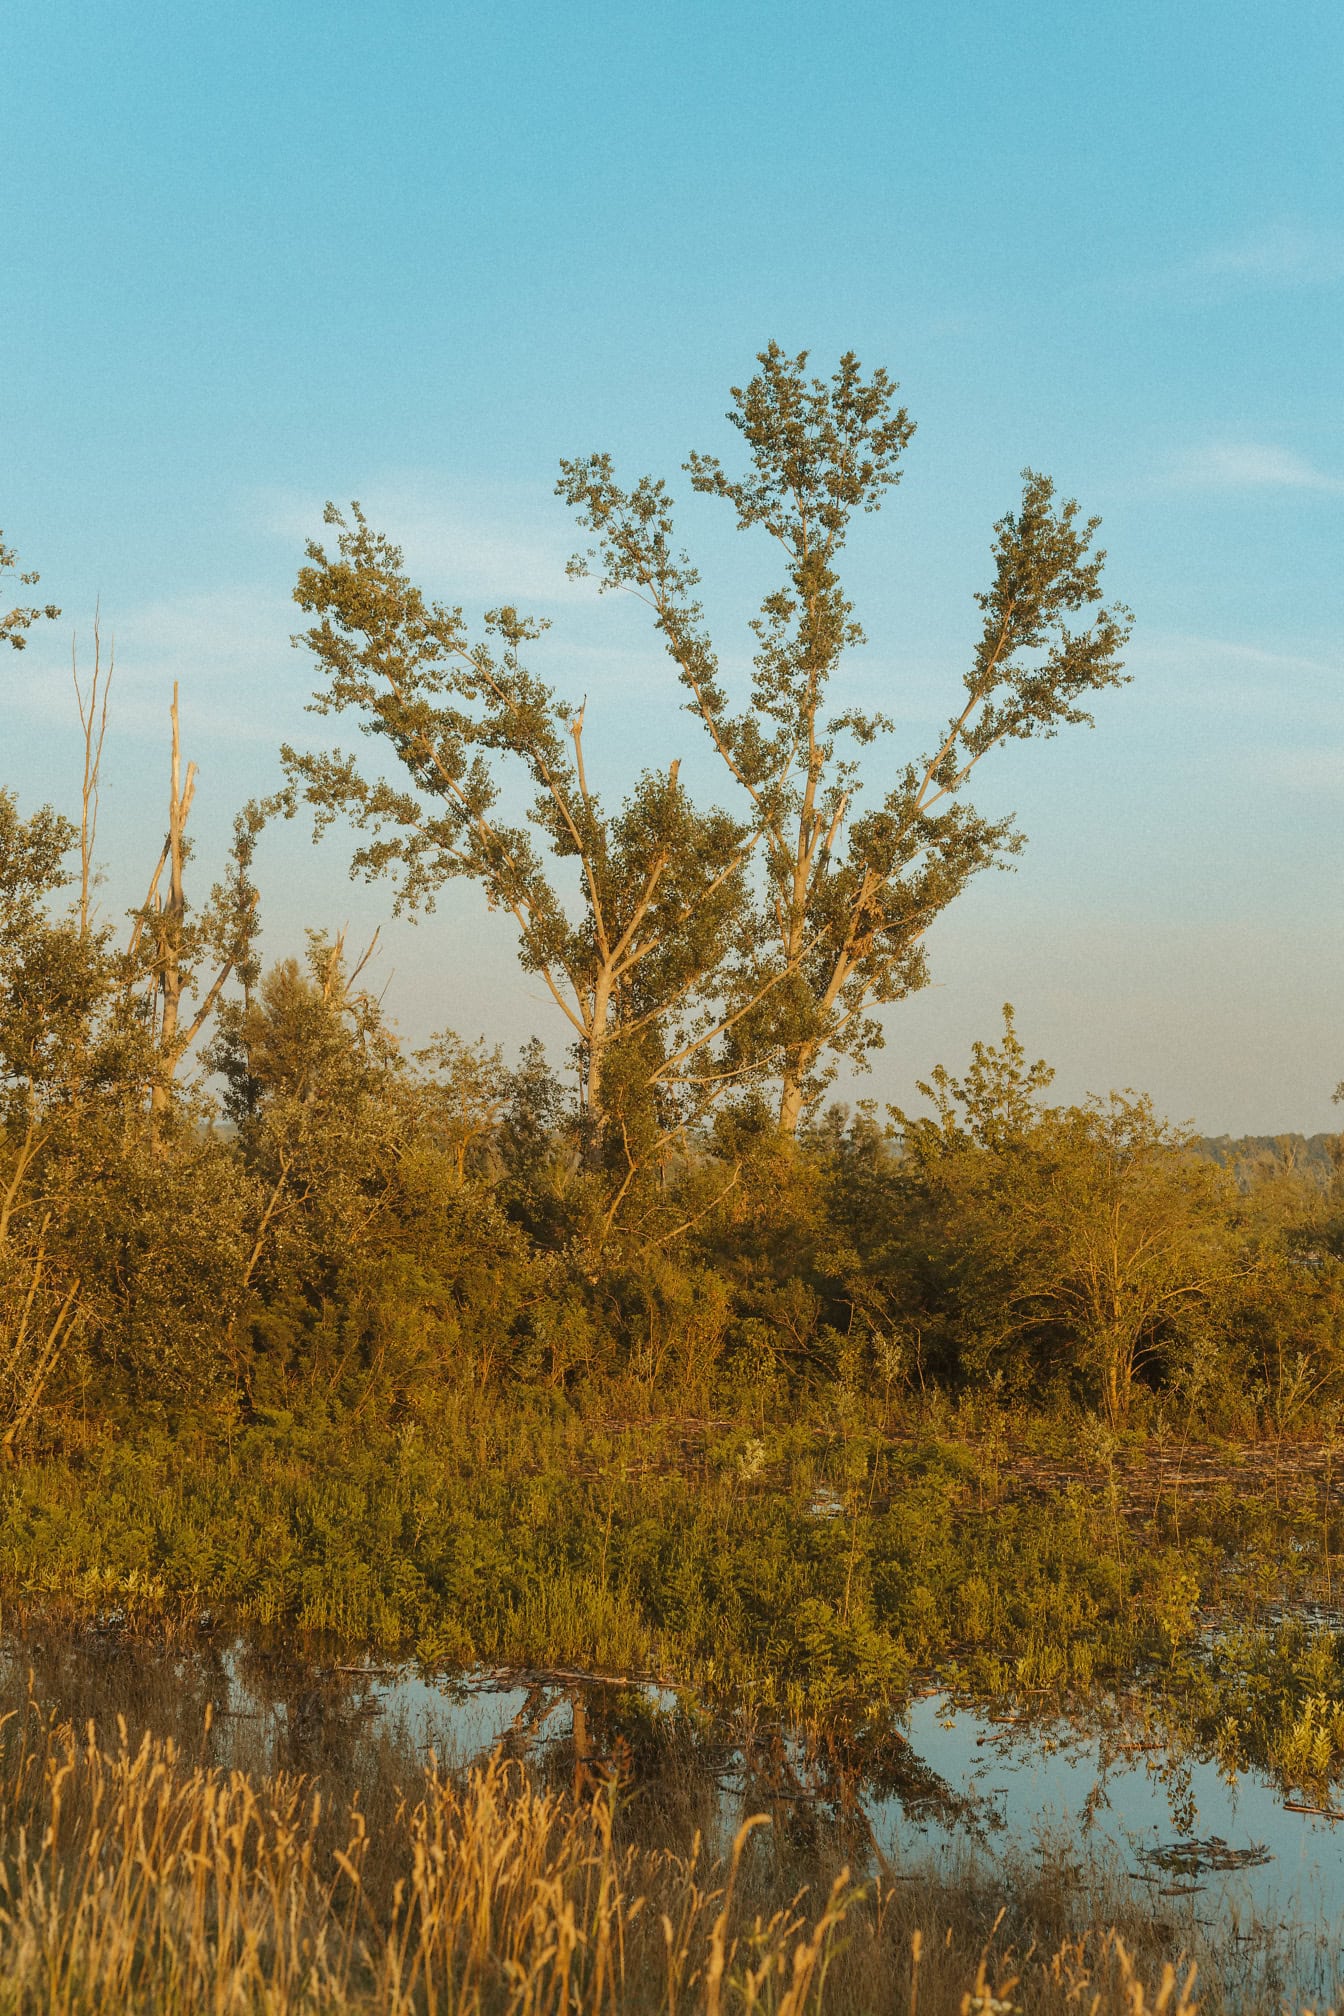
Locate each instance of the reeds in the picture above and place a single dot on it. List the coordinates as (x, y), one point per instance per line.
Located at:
(137, 1879)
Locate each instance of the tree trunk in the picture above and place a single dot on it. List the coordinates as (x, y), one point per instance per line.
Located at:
(170, 932)
(793, 1096)
(790, 1103)
(1117, 1374)
(594, 1109)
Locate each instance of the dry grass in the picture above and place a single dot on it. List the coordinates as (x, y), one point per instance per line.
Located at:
(137, 1879)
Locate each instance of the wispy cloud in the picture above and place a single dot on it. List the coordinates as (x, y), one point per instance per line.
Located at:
(1279, 256)
(1234, 678)
(1181, 647)
(228, 648)
(1312, 769)
(1285, 253)
(1249, 465)
(472, 542)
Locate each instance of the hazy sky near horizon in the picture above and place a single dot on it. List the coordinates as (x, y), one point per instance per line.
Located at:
(258, 256)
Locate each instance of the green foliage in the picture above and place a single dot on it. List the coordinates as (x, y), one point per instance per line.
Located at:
(654, 1364)
(658, 883)
(1272, 1697)
(847, 895)
(1082, 1242)
(19, 618)
(519, 1530)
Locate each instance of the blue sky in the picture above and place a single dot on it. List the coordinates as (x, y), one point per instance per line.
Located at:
(256, 256)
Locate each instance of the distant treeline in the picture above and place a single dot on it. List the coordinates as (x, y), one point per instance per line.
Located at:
(1251, 1156)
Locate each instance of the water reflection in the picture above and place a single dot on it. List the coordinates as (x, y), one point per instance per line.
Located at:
(947, 1790)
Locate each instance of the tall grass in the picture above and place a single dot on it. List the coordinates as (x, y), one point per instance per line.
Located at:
(138, 1879)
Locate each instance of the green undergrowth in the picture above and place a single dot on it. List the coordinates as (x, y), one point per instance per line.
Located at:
(804, 1567)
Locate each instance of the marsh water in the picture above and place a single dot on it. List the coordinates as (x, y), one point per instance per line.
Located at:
(942, 1789)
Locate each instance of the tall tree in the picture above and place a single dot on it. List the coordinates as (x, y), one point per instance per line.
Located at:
(629, 951)
(847, 894)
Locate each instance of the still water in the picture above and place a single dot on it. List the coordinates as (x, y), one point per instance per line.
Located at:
(947, 1790)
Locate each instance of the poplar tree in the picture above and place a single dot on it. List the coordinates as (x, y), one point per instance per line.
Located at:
(848, 885)
(625, 915)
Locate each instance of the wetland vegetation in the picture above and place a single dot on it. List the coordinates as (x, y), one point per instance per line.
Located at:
(660, 1385)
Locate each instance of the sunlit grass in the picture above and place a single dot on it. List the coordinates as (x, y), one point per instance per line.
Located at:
(138, 1879)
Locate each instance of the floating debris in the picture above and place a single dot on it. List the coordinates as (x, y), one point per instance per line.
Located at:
(1194, 1857)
